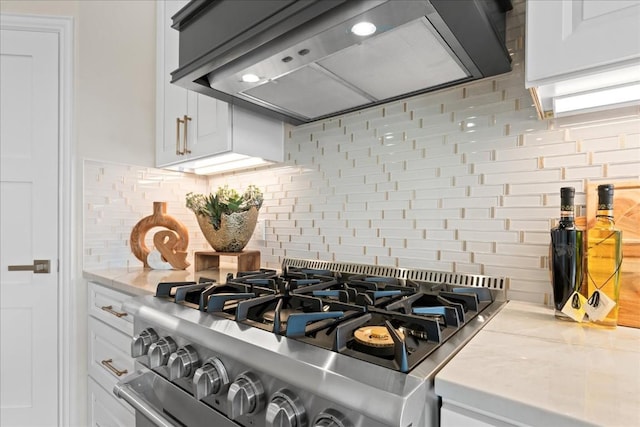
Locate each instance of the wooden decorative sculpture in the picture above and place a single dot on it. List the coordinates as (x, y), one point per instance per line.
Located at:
(165, 242)
(171, 243)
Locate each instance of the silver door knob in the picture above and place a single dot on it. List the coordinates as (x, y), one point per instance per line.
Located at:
(182, 363)
(141, 342)
(285, 410)
(160, 350)
(210, 378)
(246, 396)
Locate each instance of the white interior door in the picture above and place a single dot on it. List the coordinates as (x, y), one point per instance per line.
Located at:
(29, 145)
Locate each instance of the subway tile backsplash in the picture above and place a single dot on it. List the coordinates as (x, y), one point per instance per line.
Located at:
(117, 196)
(465, 179)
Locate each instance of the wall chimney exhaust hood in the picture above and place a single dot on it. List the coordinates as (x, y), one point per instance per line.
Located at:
(304, 60)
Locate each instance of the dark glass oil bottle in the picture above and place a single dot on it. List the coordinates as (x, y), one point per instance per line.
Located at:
(566, 253)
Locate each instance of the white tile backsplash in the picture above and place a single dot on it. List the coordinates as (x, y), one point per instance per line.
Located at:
(471, 184)
(117, 196)
(622, 170)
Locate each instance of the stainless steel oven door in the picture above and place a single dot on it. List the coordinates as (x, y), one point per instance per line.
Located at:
(160, 403)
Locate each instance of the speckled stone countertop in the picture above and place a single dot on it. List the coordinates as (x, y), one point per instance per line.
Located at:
(527, 368)
(141, 281)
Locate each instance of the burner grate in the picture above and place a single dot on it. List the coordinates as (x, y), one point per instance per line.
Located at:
(404, 274)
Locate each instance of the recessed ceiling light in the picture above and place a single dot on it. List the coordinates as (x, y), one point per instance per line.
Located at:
(363, 29)
(250, 78)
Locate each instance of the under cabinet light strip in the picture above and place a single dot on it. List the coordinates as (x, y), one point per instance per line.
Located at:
(591, 100)
(232, 165)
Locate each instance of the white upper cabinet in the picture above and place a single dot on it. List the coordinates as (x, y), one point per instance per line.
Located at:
(198, 133)
(207, 119)
(579, 50)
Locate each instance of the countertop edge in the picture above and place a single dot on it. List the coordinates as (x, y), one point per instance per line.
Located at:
(138, 281)
(508, 371)
(501, 407)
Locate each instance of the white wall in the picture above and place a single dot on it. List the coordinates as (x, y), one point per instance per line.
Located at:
(114, 75)
(116, 81)
(114, 111)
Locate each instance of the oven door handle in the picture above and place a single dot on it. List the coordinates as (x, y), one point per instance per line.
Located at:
(128, 394)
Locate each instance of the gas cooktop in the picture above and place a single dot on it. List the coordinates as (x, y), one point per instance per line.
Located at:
(316, 344)
(381, 320)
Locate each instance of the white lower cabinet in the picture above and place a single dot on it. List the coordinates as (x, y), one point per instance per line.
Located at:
(105, 411)
(109, 354)
(452, 415)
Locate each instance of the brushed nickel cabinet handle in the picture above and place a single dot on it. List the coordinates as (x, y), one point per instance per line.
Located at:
(109, 309)
(108, 364)
(178, 151)
(186, 140)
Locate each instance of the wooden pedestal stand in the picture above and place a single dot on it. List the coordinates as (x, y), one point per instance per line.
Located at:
(246, 260)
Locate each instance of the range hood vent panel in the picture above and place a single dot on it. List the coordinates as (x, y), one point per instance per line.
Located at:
(406, 60)
(423, 45)
(292, 93)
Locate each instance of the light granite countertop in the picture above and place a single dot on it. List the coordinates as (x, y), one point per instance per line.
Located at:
(141, 281)
(527, 368)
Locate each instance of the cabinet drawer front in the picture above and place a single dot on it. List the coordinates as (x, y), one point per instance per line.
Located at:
(106, 305)
(105, 409)
(452, 415)
(109, 354)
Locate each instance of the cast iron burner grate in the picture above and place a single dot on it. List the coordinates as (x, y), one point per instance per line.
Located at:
(392, 321)
(292, 314)
(413, 338)
(186, 293)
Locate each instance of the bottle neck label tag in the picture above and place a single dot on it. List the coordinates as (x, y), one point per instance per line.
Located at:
(575, 307)
(599, 306)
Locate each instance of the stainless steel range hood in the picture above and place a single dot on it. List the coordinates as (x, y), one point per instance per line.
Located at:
(307, 64)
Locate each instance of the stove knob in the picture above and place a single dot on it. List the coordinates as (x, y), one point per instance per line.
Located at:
(141, 342)
(210, 378)
(331, 418)
(160, 350)
(285, 410)
(182, 363)
(246, 396)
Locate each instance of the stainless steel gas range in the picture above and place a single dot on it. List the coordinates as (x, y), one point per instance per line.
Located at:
(319, 344)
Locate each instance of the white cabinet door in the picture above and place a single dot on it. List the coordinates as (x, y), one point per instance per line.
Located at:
(569, 36)
(109, 354)
(580, 53)
(452, 415)
(106, 304)
(189, 125)
(210, 127)
(105, 409)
